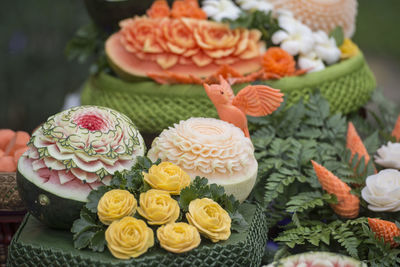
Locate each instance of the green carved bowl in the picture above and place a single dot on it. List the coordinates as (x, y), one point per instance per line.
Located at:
(152, 107)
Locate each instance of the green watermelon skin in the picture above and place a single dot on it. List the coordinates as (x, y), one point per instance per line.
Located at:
(317, 258)
(55, 248)
(52, 210)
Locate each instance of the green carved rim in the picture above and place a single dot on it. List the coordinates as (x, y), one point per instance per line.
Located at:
(36, 245)
(152, 107)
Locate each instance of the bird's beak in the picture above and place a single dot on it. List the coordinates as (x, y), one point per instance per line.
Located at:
(221, 79)
(207, 88)
(223, 82)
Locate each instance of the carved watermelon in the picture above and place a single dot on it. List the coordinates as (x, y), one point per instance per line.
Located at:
(320, 259)
(72, 153)
(130, 67)
(184, 46)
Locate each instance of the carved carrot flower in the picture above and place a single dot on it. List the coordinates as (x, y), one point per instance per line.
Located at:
(355, 144)
(396, 130)
(278, 61)
(187, 9)
(348, 204)
(385, 229)
(159, 9)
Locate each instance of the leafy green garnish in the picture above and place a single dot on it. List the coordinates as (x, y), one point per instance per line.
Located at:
(259, 20)
(94, 197)
(87, 43)
(309, 200)
(338, 35)
(87, 231)
(288, 188)
(197, 189)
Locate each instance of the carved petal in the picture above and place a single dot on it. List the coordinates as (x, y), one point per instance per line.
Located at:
(201, 59)
(167, 61)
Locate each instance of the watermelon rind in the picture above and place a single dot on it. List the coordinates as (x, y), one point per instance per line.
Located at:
(53, 210)
(77, 193)
(317, 258)
(130, 68)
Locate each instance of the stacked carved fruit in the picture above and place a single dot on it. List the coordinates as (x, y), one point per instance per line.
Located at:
(183, 44)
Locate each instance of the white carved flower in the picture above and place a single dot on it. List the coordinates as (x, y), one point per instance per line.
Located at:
(210, 148)
(382, 191)
(310, 62)
(326, 48)
(261, 5)
(389, 156)
(221, 9)
(295, 37)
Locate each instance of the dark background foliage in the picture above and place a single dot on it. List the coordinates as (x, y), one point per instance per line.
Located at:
(35, 75)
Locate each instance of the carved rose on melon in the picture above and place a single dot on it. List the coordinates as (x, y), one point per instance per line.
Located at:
(218, 41)
(181, 45)
(177, 37)
(209, 148)
(139, 35)
(79, 149)
(317, 258)
(186, 40)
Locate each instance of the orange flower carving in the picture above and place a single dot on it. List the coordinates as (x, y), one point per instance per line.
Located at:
(187, 9)
(222, 45)
(186, 41)
(177, 37)
(278, 61)
(139, 36)
(159, 9)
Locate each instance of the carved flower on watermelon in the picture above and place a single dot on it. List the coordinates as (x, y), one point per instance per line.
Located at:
(186, 46)
(76, 151)
(317, 259)
(210, 148)
(225, 46)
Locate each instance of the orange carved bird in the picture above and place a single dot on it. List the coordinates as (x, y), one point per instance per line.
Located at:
(253, 100)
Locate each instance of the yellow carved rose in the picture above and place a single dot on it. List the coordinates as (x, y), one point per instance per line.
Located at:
(128, 238)
(158, 207)
(210, 219)
(116, 204)
(178, 237)
(167, 177)
(348, 49)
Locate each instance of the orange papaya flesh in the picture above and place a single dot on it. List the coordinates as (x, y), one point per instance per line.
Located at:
(5, 137)
(19, 140)
(129, 67)
(18, 153)
(7, 164)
